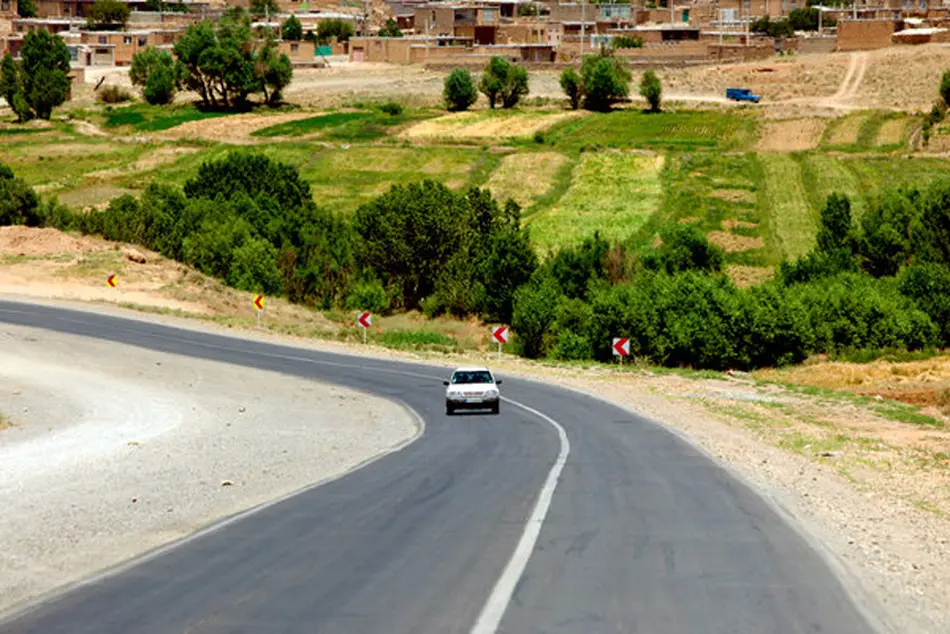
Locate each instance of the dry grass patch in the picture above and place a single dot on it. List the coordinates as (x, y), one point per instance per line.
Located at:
(487, 125)
(734, 195)
(793, 135)
(233, 128)
(525, 177)
(732, 243)
(892, 132)
(731, 223)
(744, 276)
(845, 131)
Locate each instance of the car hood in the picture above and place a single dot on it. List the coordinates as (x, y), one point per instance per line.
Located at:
(470, 388)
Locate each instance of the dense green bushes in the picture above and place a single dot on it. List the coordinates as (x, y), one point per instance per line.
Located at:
(882, 283)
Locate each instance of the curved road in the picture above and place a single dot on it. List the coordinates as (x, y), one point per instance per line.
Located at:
(643, 533)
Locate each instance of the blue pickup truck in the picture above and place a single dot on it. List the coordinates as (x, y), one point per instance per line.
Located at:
(741, 94)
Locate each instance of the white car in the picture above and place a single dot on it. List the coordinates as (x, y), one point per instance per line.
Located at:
(472, 388)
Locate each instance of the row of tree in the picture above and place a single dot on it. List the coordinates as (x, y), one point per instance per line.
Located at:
(603, 81)
(880, 283)
(223, 63)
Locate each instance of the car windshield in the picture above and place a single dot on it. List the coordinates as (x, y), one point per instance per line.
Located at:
(474, 376)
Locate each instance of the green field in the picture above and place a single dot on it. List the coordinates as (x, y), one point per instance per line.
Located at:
(611, 192)
(628, 174)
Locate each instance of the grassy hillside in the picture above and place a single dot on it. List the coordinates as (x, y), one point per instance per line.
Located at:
(626, 174)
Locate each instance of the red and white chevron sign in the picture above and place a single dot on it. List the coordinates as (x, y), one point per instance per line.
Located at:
(500, 334)
(364, 320)
(621, 347)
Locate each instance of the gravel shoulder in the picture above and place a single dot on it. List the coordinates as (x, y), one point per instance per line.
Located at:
(112, 451)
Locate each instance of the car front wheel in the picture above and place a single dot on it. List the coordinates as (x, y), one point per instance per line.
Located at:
(449, 410)
(495, 408)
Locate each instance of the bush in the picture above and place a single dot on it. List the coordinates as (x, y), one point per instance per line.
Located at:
(113, 94)
(19, 204)
(945, 87)
(835, 231)
(626, 41)
(392, 108)
(533, 317)
(807, 20)
(928, 285)
(418, 340)
(606, 81)
(340, 29)
(458, 91)
(684, 248)
(368, 295)
(573, 87)
(161, 86)
(390, 29)
(651, 89)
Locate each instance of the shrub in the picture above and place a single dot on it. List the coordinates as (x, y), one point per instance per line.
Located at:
(684, 248)
(534, 313)
(113, 94)
(928, 285)
(392, 108)
(651, 89)
(835, 231)
(945, 87)
(626, 41)
(573, 87)
(368, 295)
(390, 29)
(458, 91)
(340, 29)
(19, 204)
(161, 85)
(418, 340)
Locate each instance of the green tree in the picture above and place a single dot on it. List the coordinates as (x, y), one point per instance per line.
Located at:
(225, 63)
(503, 81)
(606, 81)
(340, 29)
(19, 204)
(263, 7)
(651, 89)
(807, 19)
(157, 72)
(9, 80)
(945, 87)
(573, 86)
(458, 92)
(43, 72)
(274, 71)
(835, 231)
(292, 29)
(26, 9)
(534, 314)
(684, 248)
(108, 15)
(390, 29)
(772, 28)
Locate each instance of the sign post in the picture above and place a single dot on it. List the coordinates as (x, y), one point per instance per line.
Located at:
(621, 347)
(364, 321)
(111, 281)
(500, 334)
(259, 305)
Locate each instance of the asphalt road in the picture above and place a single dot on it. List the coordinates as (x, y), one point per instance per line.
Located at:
(643, 533)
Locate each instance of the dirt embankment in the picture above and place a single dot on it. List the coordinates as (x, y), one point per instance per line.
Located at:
(128, 450)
